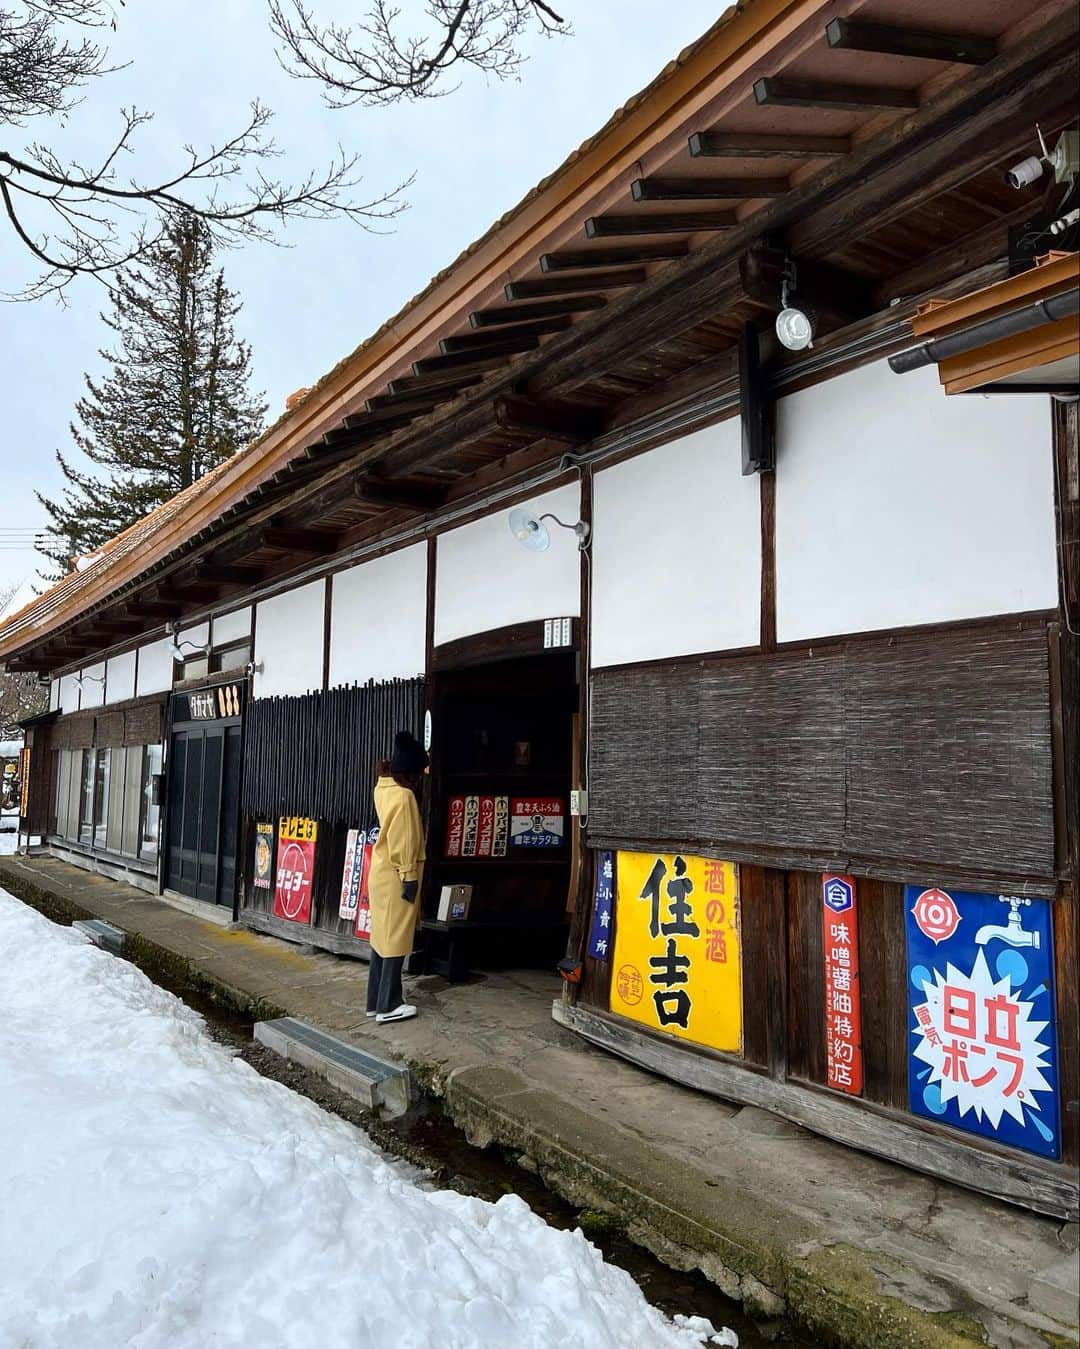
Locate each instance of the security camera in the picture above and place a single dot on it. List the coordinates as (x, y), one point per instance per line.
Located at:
(1025, 173)
(1064, 160)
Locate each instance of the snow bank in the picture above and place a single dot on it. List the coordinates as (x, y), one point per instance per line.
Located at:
(157, 1193)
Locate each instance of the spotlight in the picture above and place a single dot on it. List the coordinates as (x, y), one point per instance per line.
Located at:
(794, 326)
(531, 532)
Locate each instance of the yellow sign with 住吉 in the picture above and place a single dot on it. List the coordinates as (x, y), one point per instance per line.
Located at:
(677, 965)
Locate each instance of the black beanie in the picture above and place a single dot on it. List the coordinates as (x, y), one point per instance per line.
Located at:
(409, 757)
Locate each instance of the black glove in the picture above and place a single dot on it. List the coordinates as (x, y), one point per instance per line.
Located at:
(408, 891)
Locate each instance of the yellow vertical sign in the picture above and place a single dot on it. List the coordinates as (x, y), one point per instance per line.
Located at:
(677, 965)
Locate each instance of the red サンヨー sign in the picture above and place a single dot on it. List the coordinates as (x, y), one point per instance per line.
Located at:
(843, 1011)
(295, 869)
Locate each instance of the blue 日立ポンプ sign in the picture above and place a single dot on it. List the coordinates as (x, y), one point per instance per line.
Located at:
(982, 1052)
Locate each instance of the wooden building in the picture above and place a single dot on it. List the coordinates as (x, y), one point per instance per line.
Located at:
(795, 632)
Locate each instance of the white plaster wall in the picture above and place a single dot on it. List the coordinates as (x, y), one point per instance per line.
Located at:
(897, 505)
(93, 688)
(197, 635)
(120, 677)
(54, 695)
(232, 627)
(155, 670)
(378, 622)
(290, 634)
(676, 551)
(484, 578)
(69, 694)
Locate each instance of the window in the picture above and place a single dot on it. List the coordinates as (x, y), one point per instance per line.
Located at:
(101, 795)
(229, 658)
(151, 801)
(86, 799)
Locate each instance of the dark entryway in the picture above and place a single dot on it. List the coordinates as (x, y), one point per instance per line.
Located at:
(502, 772)
(203, 797)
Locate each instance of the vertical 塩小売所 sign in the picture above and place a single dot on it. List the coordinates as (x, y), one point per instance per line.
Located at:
(843, 1001)
(603, 907)
(264, 856)
(537, 822)
(295, 868)
(982, 1034)
(677, 964)
(351, 874)
(363, 907)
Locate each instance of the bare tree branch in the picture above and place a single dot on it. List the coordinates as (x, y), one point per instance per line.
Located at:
(78, 220)
(376, 62)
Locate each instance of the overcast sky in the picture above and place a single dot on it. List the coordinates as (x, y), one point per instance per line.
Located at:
(475, 153)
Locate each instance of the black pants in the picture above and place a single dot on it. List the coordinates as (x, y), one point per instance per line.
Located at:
(384, 992)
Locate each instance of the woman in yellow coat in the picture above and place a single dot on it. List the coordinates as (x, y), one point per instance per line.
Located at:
(397, 865)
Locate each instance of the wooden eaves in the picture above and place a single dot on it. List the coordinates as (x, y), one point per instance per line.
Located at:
(548, 329)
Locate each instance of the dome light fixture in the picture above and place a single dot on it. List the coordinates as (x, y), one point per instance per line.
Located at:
(794, 326)
(531, 532)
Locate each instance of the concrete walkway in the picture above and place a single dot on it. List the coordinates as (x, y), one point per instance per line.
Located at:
(856, 1251)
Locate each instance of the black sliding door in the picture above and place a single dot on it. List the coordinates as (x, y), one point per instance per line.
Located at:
(204, 792)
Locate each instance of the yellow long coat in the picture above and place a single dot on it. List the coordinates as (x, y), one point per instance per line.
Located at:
(398, 856)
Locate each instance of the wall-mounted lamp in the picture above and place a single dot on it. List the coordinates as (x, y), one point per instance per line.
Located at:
(794, 326)
(177, 647)
(531, 532)
(253, 667)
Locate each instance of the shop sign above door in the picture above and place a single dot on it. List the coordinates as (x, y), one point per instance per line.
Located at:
(210, 704)
(982, 1053)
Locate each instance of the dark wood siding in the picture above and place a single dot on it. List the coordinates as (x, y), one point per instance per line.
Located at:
(893, 757)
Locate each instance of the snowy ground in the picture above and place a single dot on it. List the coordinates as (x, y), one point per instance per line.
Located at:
(157, 1193)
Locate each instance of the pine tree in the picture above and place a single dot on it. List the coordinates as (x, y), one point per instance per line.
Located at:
(174, 403)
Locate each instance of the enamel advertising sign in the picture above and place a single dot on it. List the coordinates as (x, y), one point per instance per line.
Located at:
(677, 964)
(295, 869)
(982, 1034)
(264, 856)
(843, 1000)
(603, 907)
(351, 874)
(363, 906)
(536, 822)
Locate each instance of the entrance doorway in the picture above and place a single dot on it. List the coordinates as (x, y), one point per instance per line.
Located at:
(502, 773)
(203, 798)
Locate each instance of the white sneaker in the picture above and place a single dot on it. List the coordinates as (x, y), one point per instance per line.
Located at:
(371, 1014)
(402, 1013)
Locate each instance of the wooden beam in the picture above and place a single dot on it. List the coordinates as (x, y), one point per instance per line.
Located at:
(482, 341)
(855, 36)
(540, 309)
(830, 290)
(397, 495)
(985, 118)
(770, 92)
(706, 189)
(287, 539)
(655, 222)
(406, 402)
(187, 592)
(665, 250)
(567, 285)
(227, 574)
(988, 243)
(362, 427)
(555, 421)
(492, 351)
(451, 384)
(758, 145)
(148, 609)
